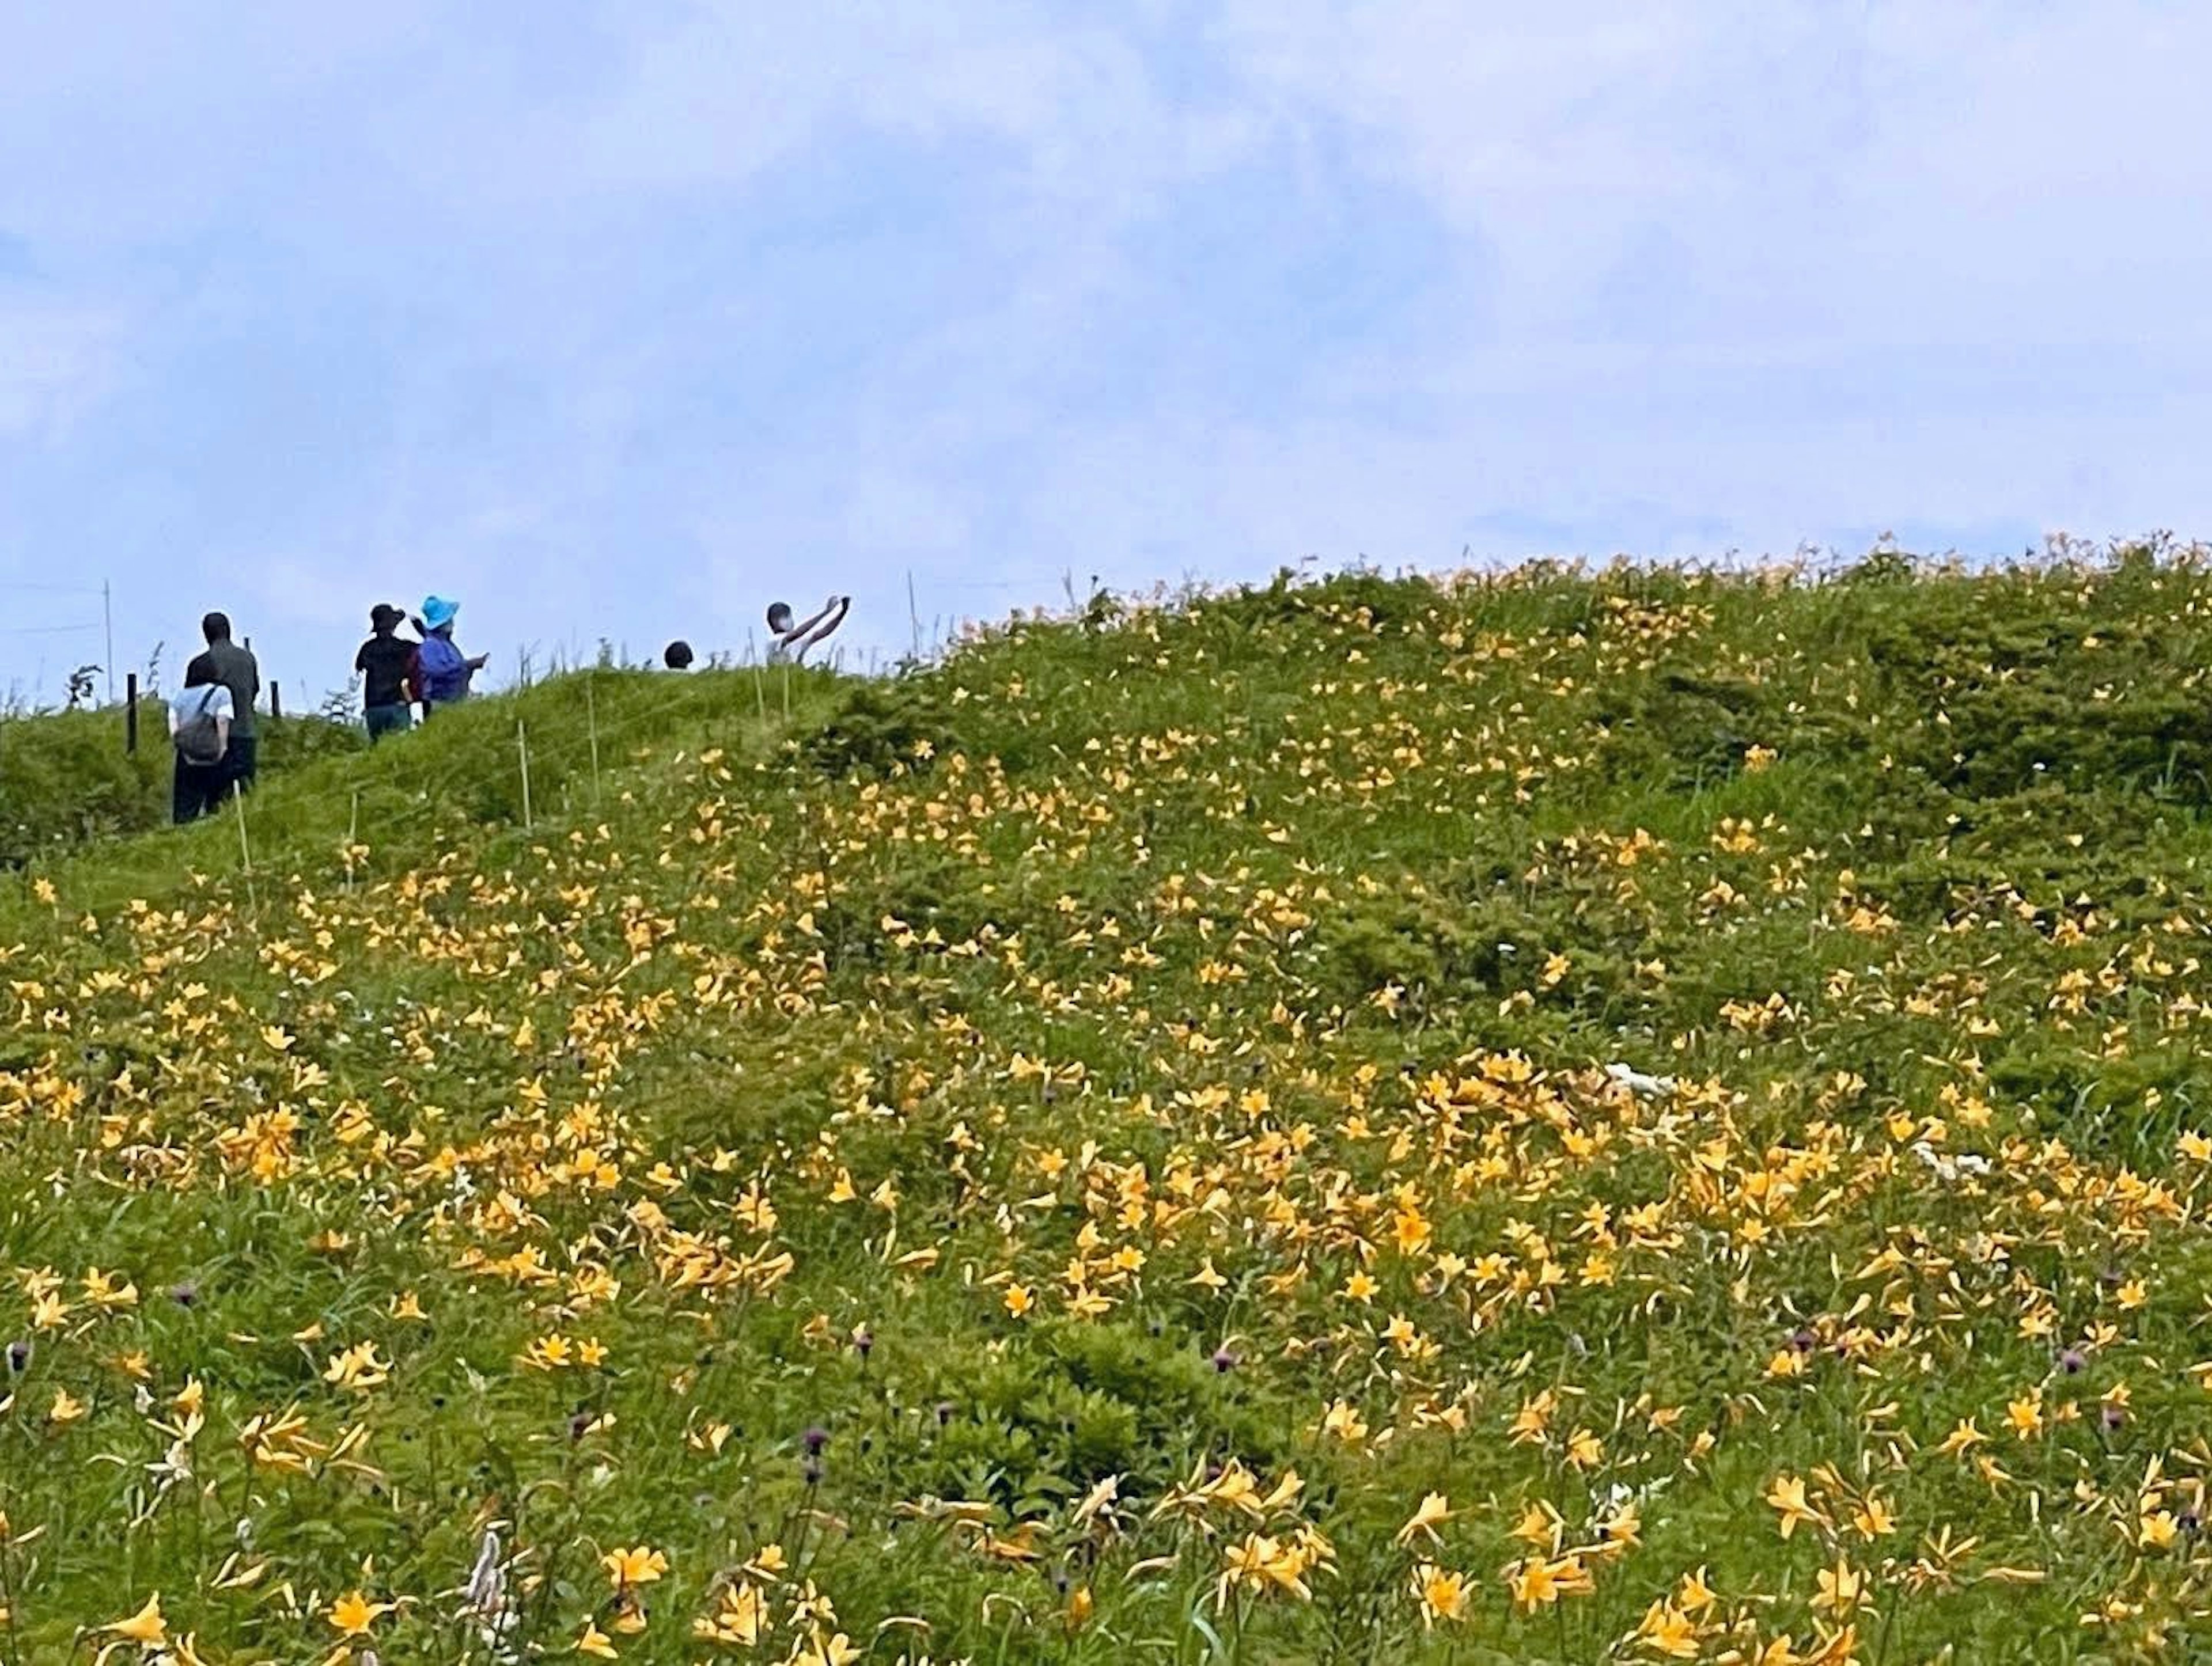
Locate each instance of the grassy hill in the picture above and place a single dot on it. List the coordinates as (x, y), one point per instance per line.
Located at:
(1104, 1149)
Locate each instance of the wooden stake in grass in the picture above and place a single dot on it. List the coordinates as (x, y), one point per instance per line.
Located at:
(522, 752)
(592, 726)
(246, 853)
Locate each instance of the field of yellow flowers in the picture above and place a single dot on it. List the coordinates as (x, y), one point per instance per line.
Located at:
(1573, 1117)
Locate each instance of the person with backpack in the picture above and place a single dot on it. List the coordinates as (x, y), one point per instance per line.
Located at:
(442, 672)
(201, 719)
(387, 665)
(233, 667)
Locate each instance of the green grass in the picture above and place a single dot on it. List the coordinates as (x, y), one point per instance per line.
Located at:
(1150, 1046)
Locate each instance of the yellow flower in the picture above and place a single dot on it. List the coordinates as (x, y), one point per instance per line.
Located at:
(1410, 1230)
(1343, 1422)
(593, 1641)
(1694, 1595)
(1842, 1590)
(1666, 1631)
(1019, 1300)
(358, 1367)
(741, 1619)
(1541, 1527)
(353, 1613)
(1442, 1594)
(1434, 1509)
(1533, 1419)
(145, 1625)
(1538, 1583)
(1787, 1496)
(640, 1566)
(64, 1410)
(1873, 1518)
(1960, 1438)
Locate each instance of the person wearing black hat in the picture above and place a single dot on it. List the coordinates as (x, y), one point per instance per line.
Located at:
(387, 665)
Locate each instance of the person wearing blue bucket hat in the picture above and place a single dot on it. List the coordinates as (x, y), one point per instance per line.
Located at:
(442, 672)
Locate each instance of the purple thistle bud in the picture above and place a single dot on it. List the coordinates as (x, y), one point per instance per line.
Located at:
(19, 1355)
(185, 1293)
(2112, 1416)
(2072, 1360)
(943, 1413)
(814, 1440)
(864, 1340)
(1223, 1359)
(1801, 1340)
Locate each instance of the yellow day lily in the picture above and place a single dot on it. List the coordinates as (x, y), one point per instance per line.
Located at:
(146, 1626)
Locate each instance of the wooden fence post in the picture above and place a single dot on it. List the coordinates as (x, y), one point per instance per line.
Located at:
(131, 712)
(276, 699)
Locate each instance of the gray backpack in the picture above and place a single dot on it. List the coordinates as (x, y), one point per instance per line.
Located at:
(199, 737)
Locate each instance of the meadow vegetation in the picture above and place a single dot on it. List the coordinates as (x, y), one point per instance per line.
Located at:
(1102, 1149)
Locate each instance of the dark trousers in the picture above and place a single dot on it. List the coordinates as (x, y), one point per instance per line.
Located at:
(382, 720)
(199, 789)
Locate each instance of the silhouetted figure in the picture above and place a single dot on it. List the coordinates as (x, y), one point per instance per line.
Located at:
(387, 665)
(677, 657)
(790, 641)
(234, 668)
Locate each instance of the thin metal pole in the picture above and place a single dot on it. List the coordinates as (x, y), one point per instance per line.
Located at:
(914, 613)
(107, 619)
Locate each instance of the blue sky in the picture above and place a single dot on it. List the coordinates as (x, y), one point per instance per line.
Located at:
(623, 319)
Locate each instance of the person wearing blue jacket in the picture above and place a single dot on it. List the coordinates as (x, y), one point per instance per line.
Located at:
(442, 672)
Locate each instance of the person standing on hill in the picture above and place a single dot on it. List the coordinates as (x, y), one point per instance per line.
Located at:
(387, 665)
(790, 641)
(234, 668)
(442, 672)
(201, 719)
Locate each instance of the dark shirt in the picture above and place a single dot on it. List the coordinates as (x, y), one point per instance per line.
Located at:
(383, 663)
(228, 663)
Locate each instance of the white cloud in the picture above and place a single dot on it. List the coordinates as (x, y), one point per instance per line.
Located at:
(57, 361)
(625, 317)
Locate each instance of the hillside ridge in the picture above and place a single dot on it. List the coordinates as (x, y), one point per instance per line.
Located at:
(1565, 1115)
